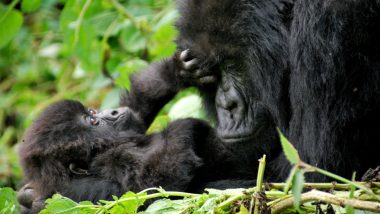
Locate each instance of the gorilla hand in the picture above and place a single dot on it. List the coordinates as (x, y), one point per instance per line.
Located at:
(192, 71)
(29, 201)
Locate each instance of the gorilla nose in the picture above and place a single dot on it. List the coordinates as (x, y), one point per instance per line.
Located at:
(229, 101)
(227, 104)
(113, 113)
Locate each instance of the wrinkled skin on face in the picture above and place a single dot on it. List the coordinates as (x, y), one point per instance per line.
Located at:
(241, 115)
(121, 120)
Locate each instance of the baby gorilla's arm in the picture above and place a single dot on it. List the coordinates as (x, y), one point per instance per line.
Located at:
(155, 86)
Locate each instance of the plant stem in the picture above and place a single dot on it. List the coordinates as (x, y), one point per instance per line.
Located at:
(9, 9)
(332, 185)
(316, 195)
(119, 7)
(80, 20)
(259, 182)
(146, 197)
(336, 177)
(290, 179)
(230, 200)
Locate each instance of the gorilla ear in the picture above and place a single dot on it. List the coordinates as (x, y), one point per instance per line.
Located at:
(124, 97)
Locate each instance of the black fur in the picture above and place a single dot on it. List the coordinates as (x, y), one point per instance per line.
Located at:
(62, 152)
(66, 151)
(311, 67)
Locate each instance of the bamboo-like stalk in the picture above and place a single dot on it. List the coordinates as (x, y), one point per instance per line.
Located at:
(259, 182)
(316, 195)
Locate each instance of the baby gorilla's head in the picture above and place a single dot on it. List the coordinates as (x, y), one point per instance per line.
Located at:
(68, 134)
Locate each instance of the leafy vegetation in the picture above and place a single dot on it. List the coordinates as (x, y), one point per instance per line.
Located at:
(85, 50)
(264, 198)
(76, 49)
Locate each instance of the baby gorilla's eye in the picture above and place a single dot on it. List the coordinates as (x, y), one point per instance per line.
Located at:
(92, 111)
(94, 121)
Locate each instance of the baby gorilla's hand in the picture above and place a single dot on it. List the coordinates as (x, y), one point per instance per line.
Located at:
(30, 203)
(192, 72)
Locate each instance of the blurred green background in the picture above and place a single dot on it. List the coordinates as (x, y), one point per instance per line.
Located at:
(77, 49)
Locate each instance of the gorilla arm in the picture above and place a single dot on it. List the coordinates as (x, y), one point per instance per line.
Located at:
(155, 86)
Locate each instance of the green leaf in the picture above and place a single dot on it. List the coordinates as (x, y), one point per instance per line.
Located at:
(189, 106)
(30, 5)
(290, 152)
(297, 186)
(10, 24)
(133, 39)
(127, 68)
(110, 100)
(164, 206)
(243, 210)
(130, 206)
(60, 204)
(159, 124)
(8, 201)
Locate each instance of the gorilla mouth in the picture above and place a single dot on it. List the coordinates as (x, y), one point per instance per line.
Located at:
(236, 138)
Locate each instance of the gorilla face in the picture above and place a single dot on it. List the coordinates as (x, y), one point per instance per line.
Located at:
(120, 120)
(240, 113)
(67, 121)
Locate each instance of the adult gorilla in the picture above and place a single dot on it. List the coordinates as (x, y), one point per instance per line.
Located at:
(311, 68)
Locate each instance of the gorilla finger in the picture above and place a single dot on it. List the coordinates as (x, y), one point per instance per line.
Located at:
(185, 55)
(199, 73)
(38, 204)
(26, 196)
(207, 79)
(185, 74)
(190, 65)
(26, 210)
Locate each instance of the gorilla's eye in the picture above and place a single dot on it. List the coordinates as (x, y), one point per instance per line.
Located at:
(92, 111)
(94, 121)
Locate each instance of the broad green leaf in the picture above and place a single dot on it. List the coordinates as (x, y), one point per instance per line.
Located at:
(126, 68)
(189, 106)
(130, 206)
(297, 186)
(117, 210)
(61, 204)
(8, 201)
(133, 39)
(164, 206)
(290, 152)
(102, 22)
(159, 124)
(30, 5)
(162, 44)
(10, 24)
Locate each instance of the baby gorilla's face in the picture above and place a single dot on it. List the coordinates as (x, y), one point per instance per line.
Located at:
(68, 121)
(120, 120)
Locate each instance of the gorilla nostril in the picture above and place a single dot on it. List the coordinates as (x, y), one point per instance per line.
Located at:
(114, 113)
(232, 106)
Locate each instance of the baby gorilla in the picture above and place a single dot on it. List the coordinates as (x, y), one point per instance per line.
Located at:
(86, 155)
(90, 156)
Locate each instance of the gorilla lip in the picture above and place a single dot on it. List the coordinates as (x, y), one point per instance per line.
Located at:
(236, 137)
